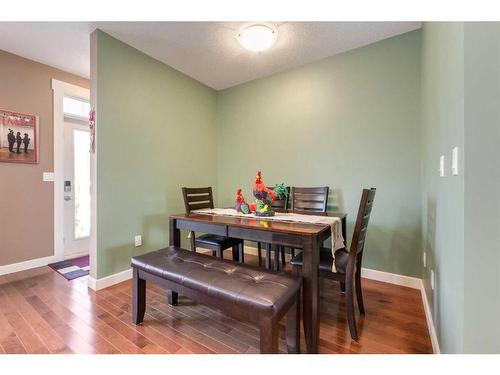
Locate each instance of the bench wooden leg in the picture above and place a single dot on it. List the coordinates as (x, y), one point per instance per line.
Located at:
(138, 298)
(293, 327)
(268, 336)
(172, 297)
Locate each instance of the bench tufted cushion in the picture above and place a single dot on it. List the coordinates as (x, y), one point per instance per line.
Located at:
(225, 281)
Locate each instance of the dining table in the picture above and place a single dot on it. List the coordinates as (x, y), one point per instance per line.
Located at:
(307, 237)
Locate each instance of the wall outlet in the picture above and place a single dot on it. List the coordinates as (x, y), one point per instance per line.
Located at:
(441, 166)
(433, 284)
(454, 161)
(424, 259)
(138, 240)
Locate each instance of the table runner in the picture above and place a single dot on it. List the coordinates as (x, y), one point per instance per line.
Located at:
(334, 222)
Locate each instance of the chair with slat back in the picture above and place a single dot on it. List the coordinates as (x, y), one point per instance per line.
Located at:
(279, 205)
(347, 264)
(309, 199)
(200, 198)
(197, 198)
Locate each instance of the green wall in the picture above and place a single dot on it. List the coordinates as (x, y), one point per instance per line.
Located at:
(443, 198)
(482, 187)
(461, 214)
(156, 132)
(349, 121)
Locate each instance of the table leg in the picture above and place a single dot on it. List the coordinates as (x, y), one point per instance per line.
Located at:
(310, 299)
(174, 233)
(175, 240)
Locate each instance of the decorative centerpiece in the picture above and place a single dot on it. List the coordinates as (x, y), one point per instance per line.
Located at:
(265, 196)
(240, 205)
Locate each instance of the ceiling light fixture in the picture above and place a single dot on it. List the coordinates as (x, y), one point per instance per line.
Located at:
(257, 38)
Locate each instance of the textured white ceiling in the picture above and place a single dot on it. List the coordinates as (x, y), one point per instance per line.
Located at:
(206, 51)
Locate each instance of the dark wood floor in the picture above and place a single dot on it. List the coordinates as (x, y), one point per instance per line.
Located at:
(41, 312)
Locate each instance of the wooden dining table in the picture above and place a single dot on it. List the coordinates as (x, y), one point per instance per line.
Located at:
(305, 236)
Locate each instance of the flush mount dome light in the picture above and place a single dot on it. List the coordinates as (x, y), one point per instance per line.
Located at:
(257, 38)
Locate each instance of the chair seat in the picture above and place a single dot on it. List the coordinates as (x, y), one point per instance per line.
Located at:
(326, 260)
(214, 240)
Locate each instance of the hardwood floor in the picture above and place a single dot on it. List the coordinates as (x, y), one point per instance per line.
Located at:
(41, 312)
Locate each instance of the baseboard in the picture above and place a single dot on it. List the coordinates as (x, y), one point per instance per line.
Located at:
(76, 255)
(26, 265)
(391, 278)
(98, 284)
(430, 321)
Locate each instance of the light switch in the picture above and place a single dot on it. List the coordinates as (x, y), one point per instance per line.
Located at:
(441, 166)
(48, 176)
(138, 240)
(454, 161)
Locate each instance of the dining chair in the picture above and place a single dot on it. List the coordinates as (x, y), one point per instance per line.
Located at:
(347, 264)
(308, 201)
(279, 205)
(200, 198)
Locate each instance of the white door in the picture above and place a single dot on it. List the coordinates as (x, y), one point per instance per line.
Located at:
(76, 188)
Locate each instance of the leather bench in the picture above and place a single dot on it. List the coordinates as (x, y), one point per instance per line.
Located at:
(240, 291)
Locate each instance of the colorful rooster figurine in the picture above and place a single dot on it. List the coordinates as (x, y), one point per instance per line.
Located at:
(265, 197)
(240, 204)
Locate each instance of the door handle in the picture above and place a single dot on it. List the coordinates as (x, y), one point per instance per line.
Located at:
(66, 198)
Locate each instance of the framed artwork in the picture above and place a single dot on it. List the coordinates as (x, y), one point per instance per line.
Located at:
(18, 137)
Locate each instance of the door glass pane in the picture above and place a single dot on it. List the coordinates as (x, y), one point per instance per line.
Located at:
(76, 107)
(82, 183)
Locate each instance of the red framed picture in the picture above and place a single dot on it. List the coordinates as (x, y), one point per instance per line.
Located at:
(18, 137)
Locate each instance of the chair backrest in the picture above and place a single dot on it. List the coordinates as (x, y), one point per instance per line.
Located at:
(197, 198)
(309, 199)
(361, 226)
(281, 204)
